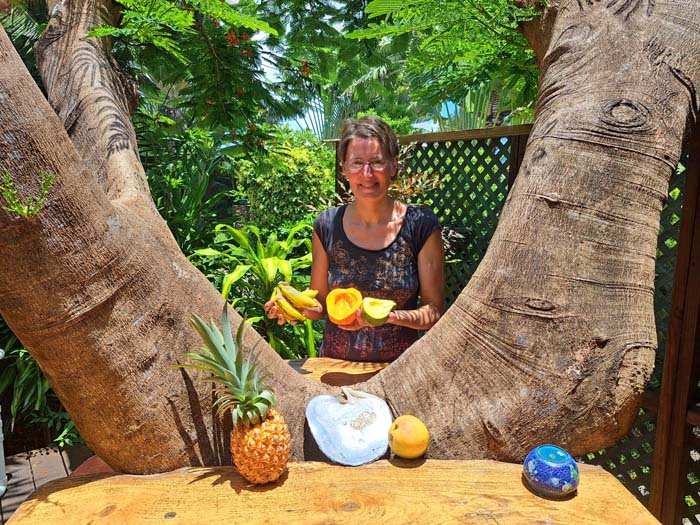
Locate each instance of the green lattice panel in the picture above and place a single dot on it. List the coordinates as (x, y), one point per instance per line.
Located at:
(666, 253)
(469, 200)
(631, 458)
(690, 504)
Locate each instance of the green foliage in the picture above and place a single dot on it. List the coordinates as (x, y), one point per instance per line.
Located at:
(162, 22)
(247, 269)
(459, 44)
(201, 64)
(333, 78)
(13, 202)
(155, 22)
(284, 183)
(189, 177)
(472, 112)
(401, 125)
(24, 27)
(33, 400)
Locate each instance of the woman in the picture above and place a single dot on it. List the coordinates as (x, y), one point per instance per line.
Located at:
(382, 247)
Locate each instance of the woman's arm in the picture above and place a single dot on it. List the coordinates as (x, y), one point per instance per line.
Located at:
(319, 278)
(431, 275)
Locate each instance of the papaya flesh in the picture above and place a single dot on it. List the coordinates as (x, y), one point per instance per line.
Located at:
(342, 304)
(376, 311)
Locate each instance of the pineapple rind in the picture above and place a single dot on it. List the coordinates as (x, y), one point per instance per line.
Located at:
(261, 452)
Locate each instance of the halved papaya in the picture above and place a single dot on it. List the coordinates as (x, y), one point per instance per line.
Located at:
(376, 311)
(341, 305)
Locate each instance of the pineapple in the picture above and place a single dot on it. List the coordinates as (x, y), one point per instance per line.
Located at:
(260, 437)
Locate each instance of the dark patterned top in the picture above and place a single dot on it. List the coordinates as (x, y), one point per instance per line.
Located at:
(389, 273)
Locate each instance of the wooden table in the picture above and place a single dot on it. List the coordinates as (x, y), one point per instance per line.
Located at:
(335, 371)
(395, 492)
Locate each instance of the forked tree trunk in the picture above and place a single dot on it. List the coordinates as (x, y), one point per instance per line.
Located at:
(553, 339)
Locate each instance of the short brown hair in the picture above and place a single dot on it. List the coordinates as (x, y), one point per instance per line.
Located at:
(368, 127)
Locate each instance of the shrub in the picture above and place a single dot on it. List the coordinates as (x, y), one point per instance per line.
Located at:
(284, 183)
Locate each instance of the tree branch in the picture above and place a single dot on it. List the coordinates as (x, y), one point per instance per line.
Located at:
(93, 97)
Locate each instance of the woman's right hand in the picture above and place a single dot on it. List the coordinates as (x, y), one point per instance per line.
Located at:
(273, 312)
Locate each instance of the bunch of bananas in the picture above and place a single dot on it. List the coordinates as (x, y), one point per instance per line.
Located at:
(290, 301)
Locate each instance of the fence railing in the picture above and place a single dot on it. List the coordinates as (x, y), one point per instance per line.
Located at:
(476, 169)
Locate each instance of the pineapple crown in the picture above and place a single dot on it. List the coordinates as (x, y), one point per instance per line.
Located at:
(239, 381)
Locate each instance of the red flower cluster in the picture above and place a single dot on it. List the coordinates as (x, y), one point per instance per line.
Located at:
(232, 38)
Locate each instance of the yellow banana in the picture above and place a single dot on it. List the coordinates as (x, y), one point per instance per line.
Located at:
(297, 298)
(309, 293)
(287, 309)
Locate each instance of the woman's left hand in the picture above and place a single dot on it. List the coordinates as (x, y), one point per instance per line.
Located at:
(357, 324)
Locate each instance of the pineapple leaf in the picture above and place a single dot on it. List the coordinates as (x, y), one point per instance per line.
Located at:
(237, 378)
(214, 340)
(209, 365)
(262, 409)
(229, 345)
(239, 345)
(268, 396)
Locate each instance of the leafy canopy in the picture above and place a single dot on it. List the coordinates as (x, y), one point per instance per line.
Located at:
(459, 44)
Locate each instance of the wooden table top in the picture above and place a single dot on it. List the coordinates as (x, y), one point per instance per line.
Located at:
(396, 492)
(336, 372)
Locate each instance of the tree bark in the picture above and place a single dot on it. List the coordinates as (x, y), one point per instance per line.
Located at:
(552, 340)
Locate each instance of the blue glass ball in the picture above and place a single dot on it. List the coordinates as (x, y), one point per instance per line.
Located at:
(551, 471)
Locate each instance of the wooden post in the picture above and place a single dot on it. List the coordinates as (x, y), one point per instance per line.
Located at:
(680, 366)
(517, 152)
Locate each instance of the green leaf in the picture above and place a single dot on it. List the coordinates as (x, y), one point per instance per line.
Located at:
(232, 277)
(209, 252)
(285, 269)
(222, 11)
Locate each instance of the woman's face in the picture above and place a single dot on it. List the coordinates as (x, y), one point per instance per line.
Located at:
(363, 169)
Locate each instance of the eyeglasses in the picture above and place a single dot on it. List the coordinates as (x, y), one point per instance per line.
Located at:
(357, 166)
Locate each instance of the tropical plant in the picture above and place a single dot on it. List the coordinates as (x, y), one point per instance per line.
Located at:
(189, 176)
(24, 207)
(247, 270)
(33, 400)
(333, 78)
(282, 183)
(24, 26)
(471, 112)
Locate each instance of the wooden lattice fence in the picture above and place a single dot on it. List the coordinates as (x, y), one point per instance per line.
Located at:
(475, 169)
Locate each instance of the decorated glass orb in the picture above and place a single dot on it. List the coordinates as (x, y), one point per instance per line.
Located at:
(551, 471)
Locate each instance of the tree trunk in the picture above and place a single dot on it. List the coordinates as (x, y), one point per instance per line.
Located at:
(94, 285)
(552, 340)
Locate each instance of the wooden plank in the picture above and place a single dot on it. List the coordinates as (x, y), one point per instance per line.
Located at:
(387, 492)
(336, 371)
(517, 152)
(671, 425)
(19, 484)
(465, 134)
(28, 471)
(47, 465)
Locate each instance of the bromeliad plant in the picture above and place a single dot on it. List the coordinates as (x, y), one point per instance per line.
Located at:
(247, 270)
(260, 437)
